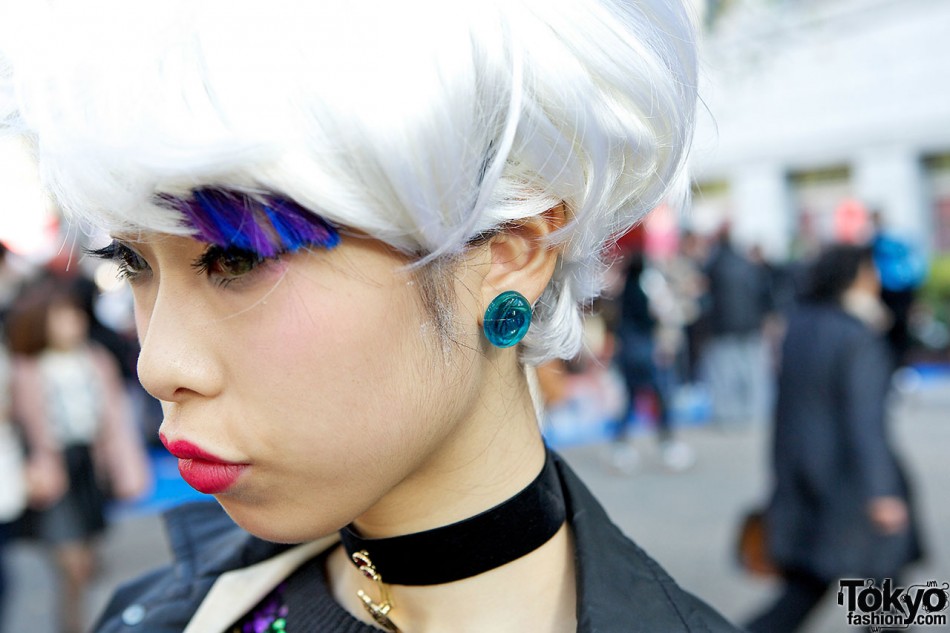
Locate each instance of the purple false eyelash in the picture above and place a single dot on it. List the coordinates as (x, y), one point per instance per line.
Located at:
(263, 224)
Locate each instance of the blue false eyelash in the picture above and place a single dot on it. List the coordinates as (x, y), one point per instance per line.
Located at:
(297, 231)
(266, 225)
(232, 221)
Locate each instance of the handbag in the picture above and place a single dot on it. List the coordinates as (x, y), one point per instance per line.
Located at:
(752, 550)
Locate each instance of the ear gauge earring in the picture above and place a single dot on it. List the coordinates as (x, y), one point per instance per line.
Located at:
(507, 319)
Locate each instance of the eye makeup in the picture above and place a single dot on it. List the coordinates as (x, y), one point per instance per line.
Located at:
(265, 224)
(227, 265)
(242, 231)
(131, 265)
(222, 265)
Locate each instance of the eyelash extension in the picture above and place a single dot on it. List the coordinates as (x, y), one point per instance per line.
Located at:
(107, 253)
(114, 252)
(205, 264)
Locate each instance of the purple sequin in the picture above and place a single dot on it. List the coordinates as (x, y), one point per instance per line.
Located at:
(263, 224)
(270, 615)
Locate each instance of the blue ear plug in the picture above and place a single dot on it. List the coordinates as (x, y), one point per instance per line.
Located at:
(507, 319)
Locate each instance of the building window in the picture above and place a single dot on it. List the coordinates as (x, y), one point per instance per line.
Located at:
(938, 175)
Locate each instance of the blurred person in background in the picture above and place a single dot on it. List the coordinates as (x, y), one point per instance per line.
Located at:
(841, 502)
(736, 357)
(82, 446)
(689, 287)
(13, 492)
(12, 278)
(779, 299)
(646, 373)
(902, 268)
(12, 479)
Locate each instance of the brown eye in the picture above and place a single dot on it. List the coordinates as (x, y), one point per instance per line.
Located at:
(227, 264)
(130, 262)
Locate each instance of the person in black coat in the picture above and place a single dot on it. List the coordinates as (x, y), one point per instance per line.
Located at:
(736, 358)
(841, 502)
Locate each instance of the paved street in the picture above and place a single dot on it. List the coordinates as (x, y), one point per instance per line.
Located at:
(685, 520)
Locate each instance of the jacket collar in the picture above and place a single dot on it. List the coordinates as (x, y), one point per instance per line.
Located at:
(205, 542)
(619, 588)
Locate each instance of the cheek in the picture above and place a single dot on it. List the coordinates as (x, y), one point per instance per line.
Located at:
(336, 368)
(332, 401)
(343, 390)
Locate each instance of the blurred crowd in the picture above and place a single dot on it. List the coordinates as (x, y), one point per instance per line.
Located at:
(70, 438)
(690, 336)
(694, 335)
(810, 348)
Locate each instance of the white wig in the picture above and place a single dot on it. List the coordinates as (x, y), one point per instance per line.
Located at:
(424, 123)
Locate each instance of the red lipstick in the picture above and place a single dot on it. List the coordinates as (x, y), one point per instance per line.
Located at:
(201, 470)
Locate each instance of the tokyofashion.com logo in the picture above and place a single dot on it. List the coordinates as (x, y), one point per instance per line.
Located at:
(890, 607)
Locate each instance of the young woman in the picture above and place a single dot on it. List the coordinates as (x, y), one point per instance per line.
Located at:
(349, 227)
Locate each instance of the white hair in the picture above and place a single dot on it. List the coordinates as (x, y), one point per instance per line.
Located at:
(423, 123)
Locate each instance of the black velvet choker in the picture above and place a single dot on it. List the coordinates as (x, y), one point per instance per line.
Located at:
(497, 536)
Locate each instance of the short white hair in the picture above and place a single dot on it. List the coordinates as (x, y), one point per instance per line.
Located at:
(423, 123)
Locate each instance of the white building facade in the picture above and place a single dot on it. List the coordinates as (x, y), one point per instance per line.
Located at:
(813, 108)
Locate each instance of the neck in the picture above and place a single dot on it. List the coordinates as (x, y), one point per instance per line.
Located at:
(508, 531)
(492, 453)
(488, 458)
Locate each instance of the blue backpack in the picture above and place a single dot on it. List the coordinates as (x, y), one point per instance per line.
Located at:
(900, 265)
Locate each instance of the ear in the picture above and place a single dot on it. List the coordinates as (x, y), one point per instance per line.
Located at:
(522, 258)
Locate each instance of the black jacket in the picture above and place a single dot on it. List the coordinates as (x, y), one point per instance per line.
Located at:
(831, 450)
(739, 293)
(620, 589)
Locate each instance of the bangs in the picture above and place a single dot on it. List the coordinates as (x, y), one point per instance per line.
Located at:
(260, 223)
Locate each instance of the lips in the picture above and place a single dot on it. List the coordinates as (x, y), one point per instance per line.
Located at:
(203, 471)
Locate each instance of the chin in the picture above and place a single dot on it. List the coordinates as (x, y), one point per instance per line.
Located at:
(290, 526)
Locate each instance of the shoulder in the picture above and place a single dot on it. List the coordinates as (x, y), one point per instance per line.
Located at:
(620, 588)
(854, 336)
(807, 318)
(826, 335)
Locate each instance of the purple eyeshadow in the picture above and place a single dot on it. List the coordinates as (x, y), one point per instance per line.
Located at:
(263, 224)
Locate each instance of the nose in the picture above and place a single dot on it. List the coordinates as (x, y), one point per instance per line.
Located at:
(178, 358)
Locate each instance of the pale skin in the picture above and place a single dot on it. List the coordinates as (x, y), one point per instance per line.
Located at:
(323, 372)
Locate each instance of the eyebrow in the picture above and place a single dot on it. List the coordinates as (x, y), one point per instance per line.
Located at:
(266, 224)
